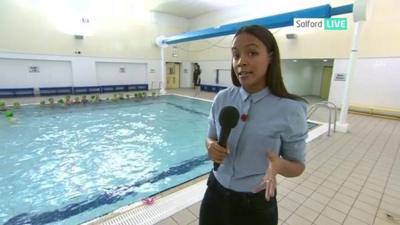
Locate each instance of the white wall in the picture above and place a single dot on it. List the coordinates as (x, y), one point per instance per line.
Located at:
(186, 79)
(109, 73)
(84, 71)
(304, 76)
(37, 27)
(15, 73)
(31, 36)
(378, 45)
(154, 73)
(317, 71)
(224, 77)
(29, 32)
(375, 83)
(301, 78)
(261, 9)
(297, 77)
(58, 71)
(209, 71)
(374, 38)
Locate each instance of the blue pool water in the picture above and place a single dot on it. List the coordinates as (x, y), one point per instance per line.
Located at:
(67, 165)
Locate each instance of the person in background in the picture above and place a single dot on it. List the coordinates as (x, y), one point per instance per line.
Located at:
(196, 78)
(269, 138)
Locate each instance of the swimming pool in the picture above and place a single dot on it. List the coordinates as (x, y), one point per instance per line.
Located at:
(67, 165)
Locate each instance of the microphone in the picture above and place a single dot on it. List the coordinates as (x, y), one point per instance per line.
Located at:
(228, 118)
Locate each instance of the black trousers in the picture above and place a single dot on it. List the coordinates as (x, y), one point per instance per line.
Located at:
(221, 206)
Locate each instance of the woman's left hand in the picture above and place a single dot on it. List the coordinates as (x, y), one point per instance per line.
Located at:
(269, 181)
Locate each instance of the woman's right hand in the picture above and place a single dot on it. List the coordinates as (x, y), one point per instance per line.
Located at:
(216, 152)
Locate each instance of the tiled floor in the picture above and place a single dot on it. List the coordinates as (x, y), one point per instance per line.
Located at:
(351, 179)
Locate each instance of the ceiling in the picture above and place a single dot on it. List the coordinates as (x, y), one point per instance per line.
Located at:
(182, 8)
(192, 8)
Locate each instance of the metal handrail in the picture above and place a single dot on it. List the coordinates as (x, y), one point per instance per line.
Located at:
(328, 105)
(159, 86)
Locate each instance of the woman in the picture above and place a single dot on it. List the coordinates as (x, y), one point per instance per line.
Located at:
(196, 78)
(269, 138)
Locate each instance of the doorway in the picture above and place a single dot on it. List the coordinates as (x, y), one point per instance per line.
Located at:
(326, 82)
(173, 74)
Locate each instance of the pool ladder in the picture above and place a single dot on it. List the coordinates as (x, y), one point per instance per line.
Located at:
(331, 107)
(158, 89)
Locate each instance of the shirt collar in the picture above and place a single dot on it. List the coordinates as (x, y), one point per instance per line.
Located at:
(255, 96)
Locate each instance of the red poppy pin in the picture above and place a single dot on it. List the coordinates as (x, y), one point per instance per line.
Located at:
(243, 117)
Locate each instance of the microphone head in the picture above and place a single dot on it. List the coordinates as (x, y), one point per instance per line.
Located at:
(228, 117)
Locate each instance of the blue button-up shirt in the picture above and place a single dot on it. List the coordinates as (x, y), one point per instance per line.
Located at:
(267, 123)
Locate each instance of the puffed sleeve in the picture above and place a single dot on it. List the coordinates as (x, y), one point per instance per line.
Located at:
(294, 136)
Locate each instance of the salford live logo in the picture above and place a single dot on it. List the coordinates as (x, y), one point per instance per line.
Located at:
(320, 24)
